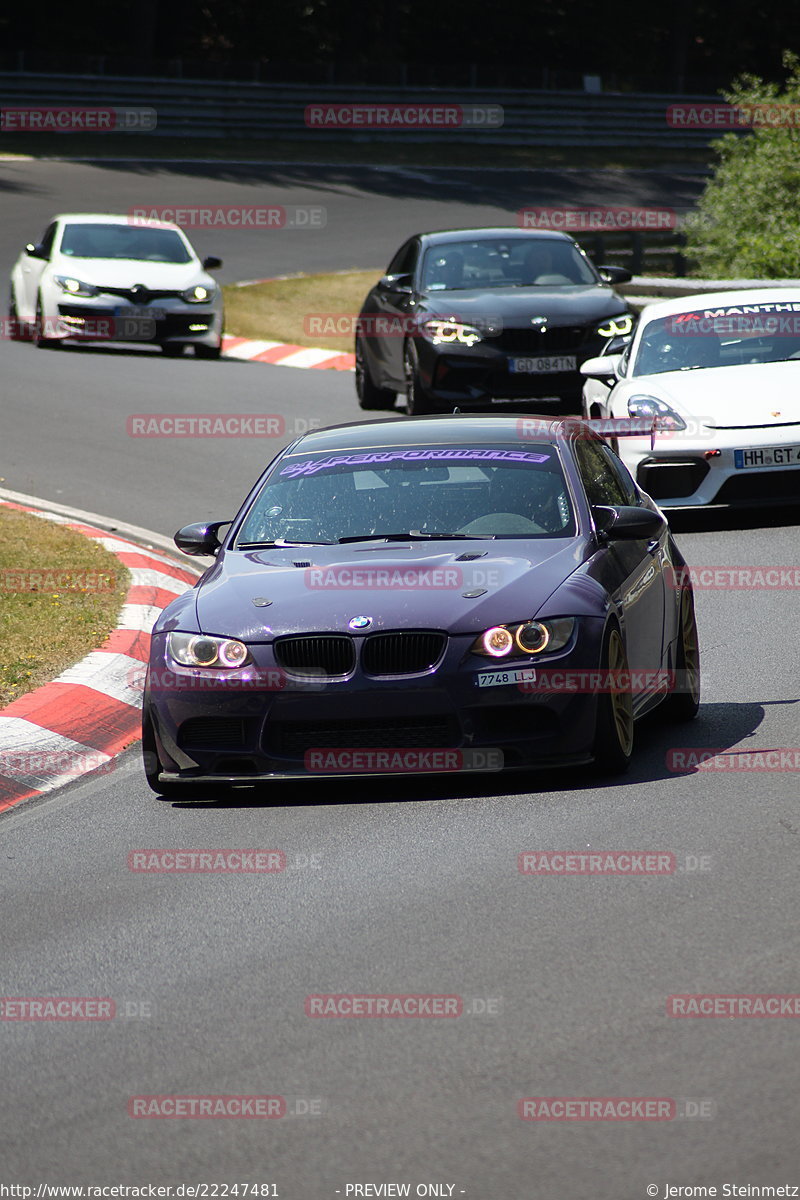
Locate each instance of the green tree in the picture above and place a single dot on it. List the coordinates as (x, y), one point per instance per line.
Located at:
(748, 218)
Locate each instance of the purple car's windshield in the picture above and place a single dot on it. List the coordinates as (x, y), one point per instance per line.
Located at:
(723, 336)
(459, 491)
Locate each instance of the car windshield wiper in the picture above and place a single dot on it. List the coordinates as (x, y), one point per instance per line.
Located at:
(279, 543)
(414, 535)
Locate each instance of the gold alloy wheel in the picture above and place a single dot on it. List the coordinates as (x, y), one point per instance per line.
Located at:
(621, 699)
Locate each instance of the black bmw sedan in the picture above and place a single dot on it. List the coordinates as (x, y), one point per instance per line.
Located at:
(478, 318)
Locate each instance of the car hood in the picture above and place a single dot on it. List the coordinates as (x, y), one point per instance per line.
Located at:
(125, 272)
(516, 305)
(398, 587)
(750, 396)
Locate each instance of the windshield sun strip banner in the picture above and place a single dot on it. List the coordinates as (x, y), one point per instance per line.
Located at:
(311, 466)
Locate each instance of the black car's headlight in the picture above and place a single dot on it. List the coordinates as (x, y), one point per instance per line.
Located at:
(442, 332)
(527, 637)
(664, 416)
(199, 294)
(75, 287)
(617, 326)
(200, 650)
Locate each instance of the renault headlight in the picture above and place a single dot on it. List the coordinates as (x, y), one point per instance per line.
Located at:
(75, 287)
(199, 294)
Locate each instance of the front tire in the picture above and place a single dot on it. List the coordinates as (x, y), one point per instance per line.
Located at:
(152, 764)
(370, 397)
(172, 350)
(418, 401)
(684, 700)
(613, 739)
(212, 352)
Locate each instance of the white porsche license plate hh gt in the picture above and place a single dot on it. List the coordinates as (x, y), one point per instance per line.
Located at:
(767, 456)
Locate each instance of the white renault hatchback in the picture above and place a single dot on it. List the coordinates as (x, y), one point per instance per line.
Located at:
(719, 377)
(96, 277)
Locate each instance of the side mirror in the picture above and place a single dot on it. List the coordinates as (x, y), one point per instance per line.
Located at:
(396, 283)
(200, 538)
(211, 263)
(615, 274)
(605, 366)
(627, 522)
(35, 251)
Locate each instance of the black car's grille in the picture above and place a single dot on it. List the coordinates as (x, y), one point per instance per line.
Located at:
(212, 733)
(317, 654)
(557, 340)
(403, 653)
(292, 739)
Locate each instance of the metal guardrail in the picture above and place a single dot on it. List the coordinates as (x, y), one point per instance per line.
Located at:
(214, 108)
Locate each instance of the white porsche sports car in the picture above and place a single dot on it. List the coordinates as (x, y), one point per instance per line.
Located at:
(719, 375)
(97, 277)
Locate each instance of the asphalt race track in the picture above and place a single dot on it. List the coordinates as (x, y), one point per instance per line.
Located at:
(389, 887)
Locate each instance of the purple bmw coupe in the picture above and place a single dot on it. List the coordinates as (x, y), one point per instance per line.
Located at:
(423, 594)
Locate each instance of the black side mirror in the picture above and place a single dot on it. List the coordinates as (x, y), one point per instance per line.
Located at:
(211, 263)
(36, 251)
(396, 283)
(627, 522)
(615, 274)
(200, 538)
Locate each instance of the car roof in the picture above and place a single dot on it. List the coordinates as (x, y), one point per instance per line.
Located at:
(436, 430)
(110, 219)
(733, 298)
(495, 231)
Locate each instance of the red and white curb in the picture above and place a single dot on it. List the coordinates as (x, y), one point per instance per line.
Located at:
(80, 720)
(285, 354)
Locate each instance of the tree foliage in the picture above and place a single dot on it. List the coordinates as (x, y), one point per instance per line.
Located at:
(748, 218)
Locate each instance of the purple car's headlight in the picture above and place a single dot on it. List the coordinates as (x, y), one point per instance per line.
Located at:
(527, 637)
(199, 650)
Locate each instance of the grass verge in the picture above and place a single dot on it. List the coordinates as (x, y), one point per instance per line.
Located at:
(293, 310)
(60, 597)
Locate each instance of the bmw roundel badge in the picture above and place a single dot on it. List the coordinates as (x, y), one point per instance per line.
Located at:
(360, 622)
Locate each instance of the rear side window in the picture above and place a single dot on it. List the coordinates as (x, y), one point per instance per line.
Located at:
(600, 479)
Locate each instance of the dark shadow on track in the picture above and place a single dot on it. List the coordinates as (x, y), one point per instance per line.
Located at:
(717, 727)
